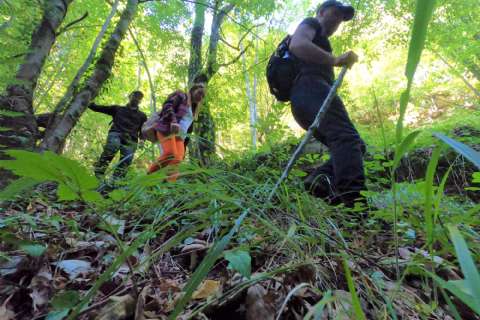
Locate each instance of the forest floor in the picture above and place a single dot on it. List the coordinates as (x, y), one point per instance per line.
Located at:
(211, 247)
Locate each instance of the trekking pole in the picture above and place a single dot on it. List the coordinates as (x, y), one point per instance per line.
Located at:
(315, 125)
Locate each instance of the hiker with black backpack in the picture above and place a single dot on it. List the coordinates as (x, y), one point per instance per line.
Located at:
(301, 71)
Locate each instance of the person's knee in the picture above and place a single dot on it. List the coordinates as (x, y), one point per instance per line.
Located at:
(345, 138)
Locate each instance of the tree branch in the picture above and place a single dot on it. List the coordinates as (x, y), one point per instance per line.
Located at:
(145, 65)
(65, 29)
(241, 38)
(235, 60)
(215, 10)
(228, 44)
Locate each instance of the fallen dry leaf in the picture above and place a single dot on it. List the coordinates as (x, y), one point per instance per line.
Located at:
(343, 305)
(10, 266)
(256, 304)
(5, 313)
(42, 288)
(117, 224)
(119, 308)
(74, 268)
(207, 288)
(140, 307)
(168, 285)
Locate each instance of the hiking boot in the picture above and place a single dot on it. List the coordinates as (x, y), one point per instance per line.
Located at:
(319, 185)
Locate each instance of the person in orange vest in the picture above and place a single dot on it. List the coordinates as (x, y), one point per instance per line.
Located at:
(174, 123)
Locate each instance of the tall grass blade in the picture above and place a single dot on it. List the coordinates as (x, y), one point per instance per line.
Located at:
(457, 288)
(355, 300)
(472, 276)
(317, 310)
(464, 150)
(440, 192)
(428, 206)
(423, 15)
(205, 266)
(403, 148)
(107, 275)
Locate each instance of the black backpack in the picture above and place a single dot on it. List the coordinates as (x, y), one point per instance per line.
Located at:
(282, 70)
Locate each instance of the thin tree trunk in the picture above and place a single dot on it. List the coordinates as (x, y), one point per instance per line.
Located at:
(39, 97)
(67, 97)
(251, 96)
(218, 18)
(196, 43)
(253, 112)
(457, 73)
(20, 131)
(153, 100)
(57, 136)
(205, 128)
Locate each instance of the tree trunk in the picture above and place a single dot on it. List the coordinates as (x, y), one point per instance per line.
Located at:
(196, 43)
(67, 97)
(251, 97)
(57, 135)
(19, 129)
(218, 18)
(457, 73)
(143, 58)
(253, 111)
(205, 127)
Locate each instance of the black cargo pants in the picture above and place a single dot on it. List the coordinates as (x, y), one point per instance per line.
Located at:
(342, 177)
(116, 142)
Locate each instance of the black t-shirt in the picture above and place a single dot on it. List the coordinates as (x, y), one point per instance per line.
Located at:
(125, 120)
(325, 71)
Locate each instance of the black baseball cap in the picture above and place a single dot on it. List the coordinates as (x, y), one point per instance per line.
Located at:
(348, 11)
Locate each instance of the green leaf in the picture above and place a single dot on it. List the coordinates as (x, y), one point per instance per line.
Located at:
(440, 192)
(16, 187)
(240, 260)
(65, 300)
(34, 250)
(57, 315)
(428, 207)
(73, 179)
(423, 15)
(316, 311)
(92, 196)
(11, 114)
(472, 276)
(65, 193)
(403, 148)
(205, 267)
(355, 300)
(458, 289)
(117, 195)
(461, 148)
(476, 177)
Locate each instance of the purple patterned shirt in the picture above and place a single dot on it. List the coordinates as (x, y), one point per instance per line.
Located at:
(173, 110)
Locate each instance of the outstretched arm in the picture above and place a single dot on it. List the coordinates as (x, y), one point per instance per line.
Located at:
(110, 110)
